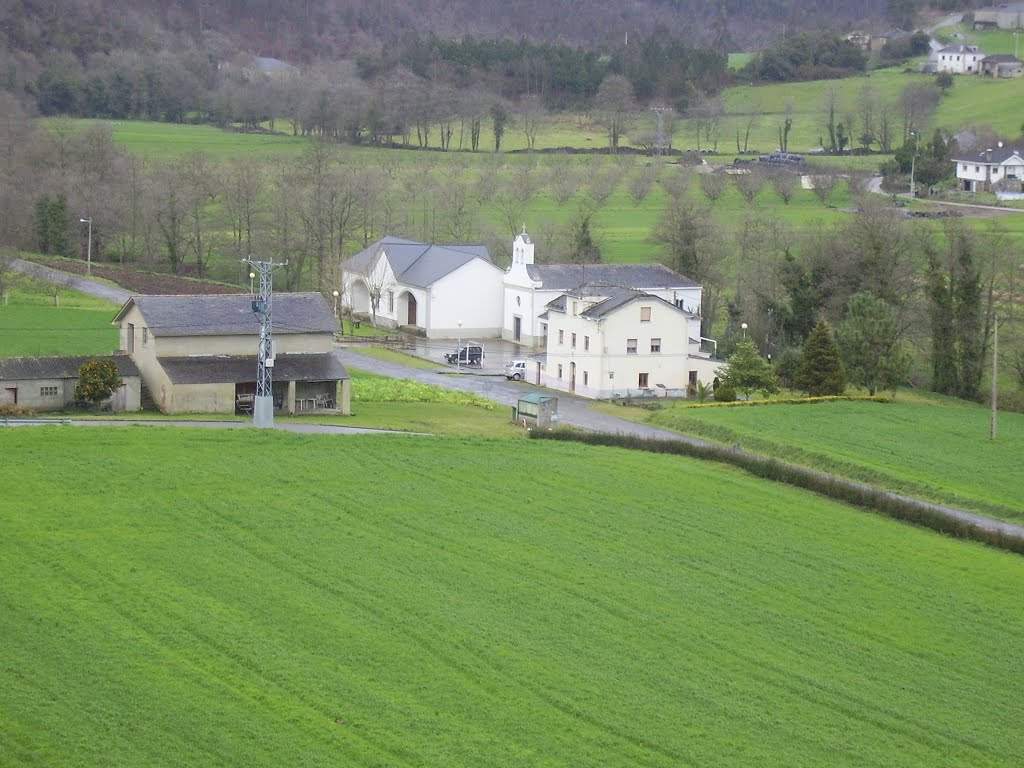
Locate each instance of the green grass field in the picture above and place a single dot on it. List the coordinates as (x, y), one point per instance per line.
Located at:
(479, 608)
(928, 446)
(31, 323)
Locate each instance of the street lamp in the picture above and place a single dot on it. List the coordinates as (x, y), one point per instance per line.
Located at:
(744, 327)
(252, 284)
(88, 249)
(458, 349)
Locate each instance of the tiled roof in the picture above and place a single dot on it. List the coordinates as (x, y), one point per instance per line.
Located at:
(996, 156)
(27, 368)
(231, 314)
(231, 369)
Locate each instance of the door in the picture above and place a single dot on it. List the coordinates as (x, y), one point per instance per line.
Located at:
(9, 396)
(411, 319)
(572, 377)
(517, 328)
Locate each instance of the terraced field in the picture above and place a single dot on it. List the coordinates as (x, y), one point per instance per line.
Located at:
(377, 601)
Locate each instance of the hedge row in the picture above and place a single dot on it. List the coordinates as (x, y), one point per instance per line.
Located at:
(935, 516)
(797, 401)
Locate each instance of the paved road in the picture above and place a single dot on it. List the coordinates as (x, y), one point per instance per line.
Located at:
(75, 282)
(574, 411)
(308, 429)
(875, 185)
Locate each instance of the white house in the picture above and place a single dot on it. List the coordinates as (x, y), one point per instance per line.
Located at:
(957, 59)
(530, 287)
(981, 171)
(441, 291)
(609, 341)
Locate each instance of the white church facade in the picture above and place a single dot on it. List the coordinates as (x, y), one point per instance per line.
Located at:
(456, 291)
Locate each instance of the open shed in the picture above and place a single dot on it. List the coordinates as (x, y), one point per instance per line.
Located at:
(536, 409)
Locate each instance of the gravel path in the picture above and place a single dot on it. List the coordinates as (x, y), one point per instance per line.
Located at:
(75, 282)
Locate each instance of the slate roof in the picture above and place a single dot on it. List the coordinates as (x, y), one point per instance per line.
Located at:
(565, 277)
(231, 314)
(29, 368)
(615, 297)
(959, 49)
(996, 156)
(1000, 58)
(235, 369)
(418, 264)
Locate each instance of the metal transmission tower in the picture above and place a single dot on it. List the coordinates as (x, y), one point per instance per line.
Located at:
(660, 144)
(262, 306)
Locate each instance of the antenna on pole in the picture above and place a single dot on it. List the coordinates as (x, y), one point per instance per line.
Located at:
(660, 143)
(262, 306)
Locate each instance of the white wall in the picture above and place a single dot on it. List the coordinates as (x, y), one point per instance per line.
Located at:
(610, 370)
(472, 294)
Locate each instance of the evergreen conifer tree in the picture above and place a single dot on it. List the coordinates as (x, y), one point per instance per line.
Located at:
(821, 367)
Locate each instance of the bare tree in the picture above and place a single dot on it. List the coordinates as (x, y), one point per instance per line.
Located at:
(563, 181)
(643, 182)
(676, 181)
(713, 185)
(784, 184)
(707, 116)
(200, 190)
(824, 184)
(169, 209)
(614, 108)
(917, 102)
(511, 207)
(531, 114)
(868, 108)
(243, 186)
(750, 121)
(749, 184)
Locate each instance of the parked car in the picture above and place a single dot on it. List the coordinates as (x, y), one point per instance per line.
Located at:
(467, 354)
(515, 370)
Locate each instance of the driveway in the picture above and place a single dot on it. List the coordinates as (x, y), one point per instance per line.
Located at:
(84, 285)
(574, 411)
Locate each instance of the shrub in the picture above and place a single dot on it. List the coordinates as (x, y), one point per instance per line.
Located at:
(12, 410)
(726, 393)
(748, 372)
(381, 389)
(97, 380)
(787, 365)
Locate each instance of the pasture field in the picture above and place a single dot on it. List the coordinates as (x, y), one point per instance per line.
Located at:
(32, 324)
(924, 445)
(989, 40)
(479, 607)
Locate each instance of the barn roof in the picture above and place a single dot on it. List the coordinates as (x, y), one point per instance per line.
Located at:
(231, 314)
(235, 369)
(29, 368)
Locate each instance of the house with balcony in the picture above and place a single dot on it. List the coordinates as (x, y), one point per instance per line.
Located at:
(197, 354)
(999, 169)
(608, 341)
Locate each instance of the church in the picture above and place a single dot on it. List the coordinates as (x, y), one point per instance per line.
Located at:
(456, 290)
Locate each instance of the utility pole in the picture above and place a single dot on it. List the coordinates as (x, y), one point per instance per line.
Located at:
(995, 379)
(262, 306)
(88, 251)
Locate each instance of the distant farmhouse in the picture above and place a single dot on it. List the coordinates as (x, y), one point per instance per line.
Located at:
(197, 354)
(957, 59)
(1002, 16)
(1002, 65)
(998, 169)
(48, 383)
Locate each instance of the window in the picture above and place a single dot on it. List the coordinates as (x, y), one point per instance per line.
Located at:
(586, 378)
(963, 166)
(559, 370)
(47, 391)
(561, 338)
(693, 378)
(645, 314)
(572, 342)
(574, 311)
(130, 341)
(145, 336)
(391, 301)
(611, 375)
(630, 346)
(977, 169)
(586, 343)
(655, 345)
(642, 381)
